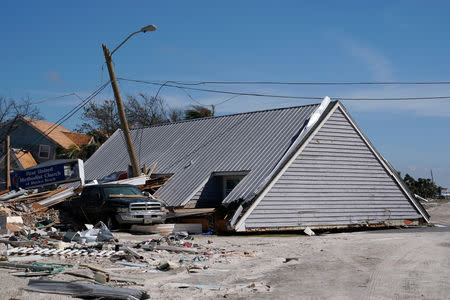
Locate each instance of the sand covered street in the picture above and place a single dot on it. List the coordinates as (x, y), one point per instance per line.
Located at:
(407, 263)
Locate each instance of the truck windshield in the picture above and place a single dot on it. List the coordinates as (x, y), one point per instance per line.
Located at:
(129, 190)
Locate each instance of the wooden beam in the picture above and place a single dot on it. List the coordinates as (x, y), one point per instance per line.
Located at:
(8, 163)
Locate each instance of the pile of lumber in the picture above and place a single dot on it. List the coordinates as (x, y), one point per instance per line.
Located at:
(32, 207)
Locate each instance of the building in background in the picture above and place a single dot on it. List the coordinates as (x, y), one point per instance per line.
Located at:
(41, 138)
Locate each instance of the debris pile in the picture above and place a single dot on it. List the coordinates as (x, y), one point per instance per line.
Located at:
(98, 233)
(95, 263)
(153, 184)
(29, 209)
(92, 262)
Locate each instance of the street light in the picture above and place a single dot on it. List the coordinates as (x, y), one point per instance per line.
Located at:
(123, 119)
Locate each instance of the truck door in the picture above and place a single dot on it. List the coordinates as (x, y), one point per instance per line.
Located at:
(92, 204)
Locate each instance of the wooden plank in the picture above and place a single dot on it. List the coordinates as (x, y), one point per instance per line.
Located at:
(28, 197)
(133, 253)
(38, 196)
(170, 248)
(4, 192)
(168, 228)
(94, 268)
(124, 196)
(36, 207)
(152, 169)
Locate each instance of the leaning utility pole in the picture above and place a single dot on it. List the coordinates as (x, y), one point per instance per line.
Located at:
(7, 162)
(123, 118)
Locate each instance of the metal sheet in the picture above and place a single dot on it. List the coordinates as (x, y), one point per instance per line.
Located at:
(192, 150)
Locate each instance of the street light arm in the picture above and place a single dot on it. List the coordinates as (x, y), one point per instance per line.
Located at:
(115, 87)
(124, 42)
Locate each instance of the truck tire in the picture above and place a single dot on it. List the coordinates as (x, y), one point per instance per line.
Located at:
(111, 223)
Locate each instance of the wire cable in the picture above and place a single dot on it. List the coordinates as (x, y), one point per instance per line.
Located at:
(75, 109)
(68, 115)
(314, 83)
(255, 94)
(226, 100)
(47, 99)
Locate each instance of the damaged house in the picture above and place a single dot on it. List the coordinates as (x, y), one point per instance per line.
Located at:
(279, 169)
(41, 138)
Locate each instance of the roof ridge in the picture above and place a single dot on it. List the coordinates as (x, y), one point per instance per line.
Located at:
(29, 120)
(230, 115)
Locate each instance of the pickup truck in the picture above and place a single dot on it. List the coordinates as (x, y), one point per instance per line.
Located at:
(117, 205)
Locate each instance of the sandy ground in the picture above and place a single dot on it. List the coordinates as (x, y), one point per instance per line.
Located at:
(409, 263)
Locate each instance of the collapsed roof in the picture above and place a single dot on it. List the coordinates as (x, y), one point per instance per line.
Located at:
(262, 145)
(192, 150)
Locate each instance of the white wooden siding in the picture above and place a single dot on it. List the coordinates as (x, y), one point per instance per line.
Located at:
(336, 180)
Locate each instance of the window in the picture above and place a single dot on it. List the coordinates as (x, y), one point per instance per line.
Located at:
(44, 151)
(120, 190)
(229, 183)
(229, 180)
(91, 196)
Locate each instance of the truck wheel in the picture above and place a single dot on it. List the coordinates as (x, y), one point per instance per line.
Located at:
(111, 223)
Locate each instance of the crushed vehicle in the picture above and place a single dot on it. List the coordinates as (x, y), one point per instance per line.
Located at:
(117, 205)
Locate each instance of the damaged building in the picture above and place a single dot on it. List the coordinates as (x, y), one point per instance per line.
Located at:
(279, 169)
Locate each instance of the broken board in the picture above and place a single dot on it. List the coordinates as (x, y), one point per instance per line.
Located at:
(165, 229)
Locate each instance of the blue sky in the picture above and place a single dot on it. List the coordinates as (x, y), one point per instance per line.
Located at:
(50, 48)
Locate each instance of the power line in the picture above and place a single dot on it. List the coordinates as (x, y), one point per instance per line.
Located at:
(181, 88)
(226, 100)
(195, 101)
(219, 91)
(314, 83)
(74, 110)
(69, 114)
(47, 99)
(255, 94)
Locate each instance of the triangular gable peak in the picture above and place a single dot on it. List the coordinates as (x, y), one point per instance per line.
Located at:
(335, 179)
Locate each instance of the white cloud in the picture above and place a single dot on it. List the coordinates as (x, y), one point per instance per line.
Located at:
(370, 57)
(54, 77)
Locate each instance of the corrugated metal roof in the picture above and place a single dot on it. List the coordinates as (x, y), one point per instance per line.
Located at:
(192, 150)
